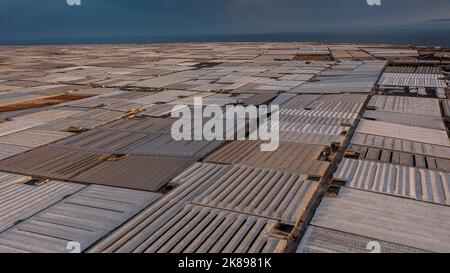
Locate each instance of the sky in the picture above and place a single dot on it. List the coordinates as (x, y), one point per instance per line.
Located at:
(41, 21)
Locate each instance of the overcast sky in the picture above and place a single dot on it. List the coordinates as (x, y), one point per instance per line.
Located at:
(108, 19)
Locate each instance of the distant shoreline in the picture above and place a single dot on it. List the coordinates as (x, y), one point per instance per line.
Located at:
(417, 38)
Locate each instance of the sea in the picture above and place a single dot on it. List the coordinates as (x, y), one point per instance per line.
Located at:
(410, 37)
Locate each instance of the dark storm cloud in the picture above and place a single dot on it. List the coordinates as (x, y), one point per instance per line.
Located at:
(440, 20)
